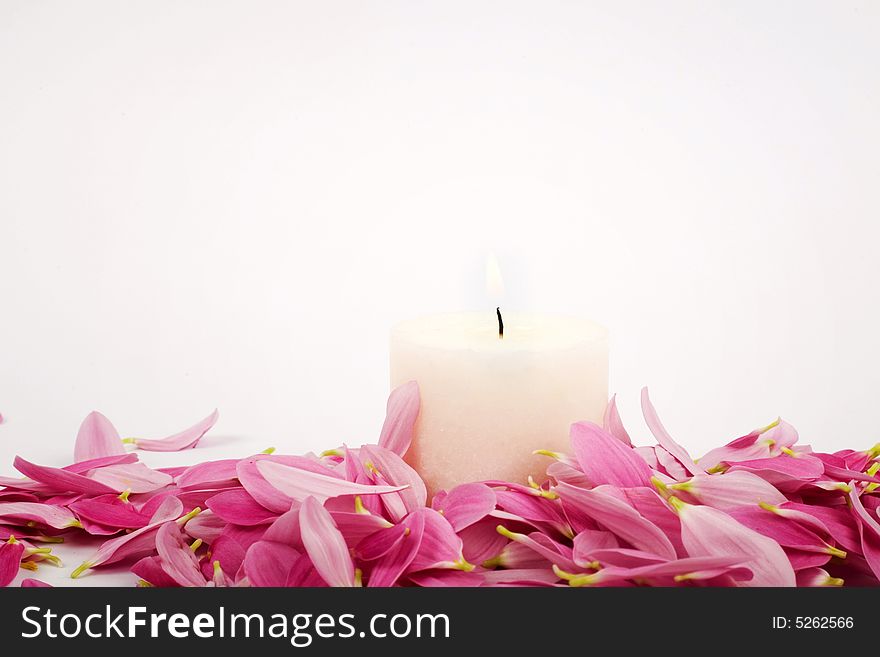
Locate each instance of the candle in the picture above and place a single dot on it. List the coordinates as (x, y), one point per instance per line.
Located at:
(489, 399)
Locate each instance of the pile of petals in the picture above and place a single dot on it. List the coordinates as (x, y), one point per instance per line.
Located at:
(761, 510)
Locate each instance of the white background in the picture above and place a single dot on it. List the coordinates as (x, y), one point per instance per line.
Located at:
(229, 203)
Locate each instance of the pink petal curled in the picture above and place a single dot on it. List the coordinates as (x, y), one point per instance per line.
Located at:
(396, 472)
(708, 532)
(441, 547)
(46, 514)
(31, 583)
(11, 552)
(62, 480)
(83, 467)
(606, 460)
(324, 543)
(466, 504)
(613, 424)
(400, 418)
(730, 490)
(619, 518)
(97, 437)
(184, 440)
(300, 484)
(178, 560)
(139, 543)
(817, 577)
(205, 526)
(663, 438)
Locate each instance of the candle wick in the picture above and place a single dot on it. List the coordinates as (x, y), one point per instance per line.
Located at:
(500, 322)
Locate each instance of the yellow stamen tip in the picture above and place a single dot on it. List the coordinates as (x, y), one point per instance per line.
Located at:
(83, 567)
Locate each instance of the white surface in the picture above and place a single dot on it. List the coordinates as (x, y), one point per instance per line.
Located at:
(228, 204)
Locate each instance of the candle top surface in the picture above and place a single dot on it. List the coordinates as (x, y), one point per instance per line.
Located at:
(479, 331)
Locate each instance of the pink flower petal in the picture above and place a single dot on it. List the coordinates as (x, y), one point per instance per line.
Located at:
(205, 526)
(184, 440)
(299, 484)
(132, 477)
(518, 555)
(440, 547)
(389, 568)
(619, 518)
(520, 577)
(151, 570)
(708, 532)
(380, 543)
(787, 473)
(689, 568)
(788, 533)
(466, 504)
(663, 438)
(209, 475)
(396, 472)
(82, 467)
(613, 424)
(817, 577)
(759, 444)
(181, 563)
(605, 460)
(97, 437)
(285, 529)
(11, 552)
(236, 506)
(400, 418)
(357, 526)
(31, 583)
(46, 514)
(323, 543)
(588, 542)
(869, 531)
(839, 522)
(541, 513)
(552, 551)
(139, 543)
(110, 511)
(62, 480)
(730, 490)
(268, 563)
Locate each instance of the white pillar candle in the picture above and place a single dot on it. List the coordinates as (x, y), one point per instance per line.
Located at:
(488, 402)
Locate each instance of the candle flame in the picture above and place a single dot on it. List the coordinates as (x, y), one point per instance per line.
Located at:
(494, 282)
